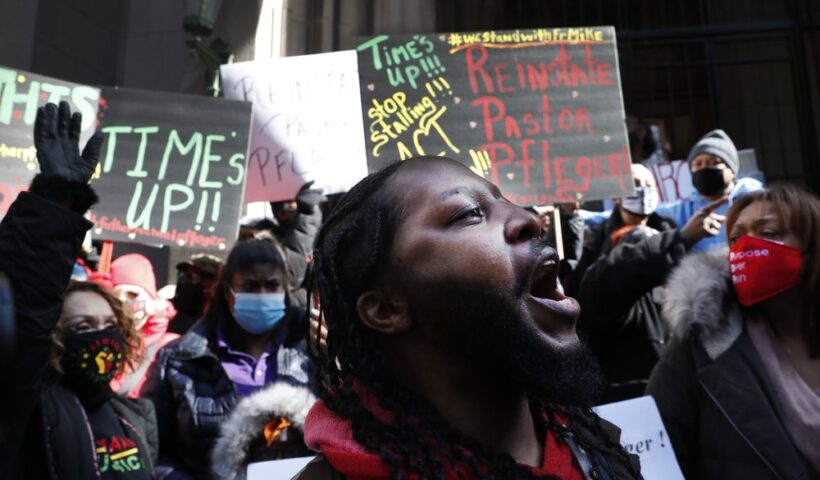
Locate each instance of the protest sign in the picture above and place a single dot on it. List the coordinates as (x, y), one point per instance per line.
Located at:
(172, 168)
(673, 179)
(643, 433)
(21, 93)
(538, 112)
(307, 124)
(283, 469)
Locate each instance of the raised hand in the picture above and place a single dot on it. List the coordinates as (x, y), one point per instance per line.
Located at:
(57, 139)
(704, 223)
(307, 198)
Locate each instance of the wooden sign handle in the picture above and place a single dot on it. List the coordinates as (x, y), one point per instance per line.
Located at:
(104, 266)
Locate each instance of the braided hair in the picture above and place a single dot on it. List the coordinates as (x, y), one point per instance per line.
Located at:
(352, 254)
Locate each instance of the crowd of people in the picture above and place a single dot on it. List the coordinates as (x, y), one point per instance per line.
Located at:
(423, 327)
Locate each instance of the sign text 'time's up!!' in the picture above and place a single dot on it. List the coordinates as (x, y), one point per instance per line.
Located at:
(172, 169)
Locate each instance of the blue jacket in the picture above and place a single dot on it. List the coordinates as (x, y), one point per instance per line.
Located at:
(682, 210)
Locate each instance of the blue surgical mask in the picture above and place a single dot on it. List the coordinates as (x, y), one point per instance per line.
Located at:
(258, 313)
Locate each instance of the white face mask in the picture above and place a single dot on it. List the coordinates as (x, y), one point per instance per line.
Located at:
(644, 202)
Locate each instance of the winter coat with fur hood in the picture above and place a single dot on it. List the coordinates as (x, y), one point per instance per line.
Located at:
(241, 439)
(193, 396)
(711, 387)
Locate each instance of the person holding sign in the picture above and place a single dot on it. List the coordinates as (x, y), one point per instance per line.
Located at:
(61, 418)
(249, 339)
(450, 352)
(739, 385)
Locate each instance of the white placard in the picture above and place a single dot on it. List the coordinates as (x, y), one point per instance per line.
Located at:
(643, 433)
(307, 123)
(277, 469)
(673, 179)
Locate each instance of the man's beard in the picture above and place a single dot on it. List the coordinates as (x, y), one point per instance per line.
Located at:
(482, 326)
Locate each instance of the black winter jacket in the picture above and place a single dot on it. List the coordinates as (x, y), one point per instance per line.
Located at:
(621, 294)
(193, 396)
(711, 387)
(45, 431)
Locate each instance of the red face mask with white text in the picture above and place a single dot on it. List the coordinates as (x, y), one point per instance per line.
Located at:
(762, 268)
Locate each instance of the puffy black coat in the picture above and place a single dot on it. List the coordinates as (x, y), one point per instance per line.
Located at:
(45, 431)
(711, 387)
(620, 294)
(193, 396)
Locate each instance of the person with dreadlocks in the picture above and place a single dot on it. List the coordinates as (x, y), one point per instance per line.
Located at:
(449, 352)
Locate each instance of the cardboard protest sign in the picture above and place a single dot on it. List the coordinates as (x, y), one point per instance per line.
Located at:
(307, 123)
(643, 433)
(538, 112)
(172, 168)
(21, 93)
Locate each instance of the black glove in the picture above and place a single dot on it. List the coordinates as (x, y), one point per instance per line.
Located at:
(64, 171)
(307, 198)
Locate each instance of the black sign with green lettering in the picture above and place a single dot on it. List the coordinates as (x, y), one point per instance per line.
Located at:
(172, 168)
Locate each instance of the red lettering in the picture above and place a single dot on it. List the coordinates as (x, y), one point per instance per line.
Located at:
(596, 166)
(511, 128)
(604, 71)
(497, 161)
(565, 119)
(559, 63)
(538, 76)
(546, 110)
(489, 119)
(501, 77)
(582, 170)
(545, 163)
(115, 444)
(582, 120)
(578, 75)
(559, 171)
(526, 162)
(532, 124)
(476, 66)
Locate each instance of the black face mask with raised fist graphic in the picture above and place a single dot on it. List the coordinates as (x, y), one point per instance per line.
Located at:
(90, 361)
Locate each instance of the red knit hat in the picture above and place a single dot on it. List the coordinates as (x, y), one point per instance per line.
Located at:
(134, 269)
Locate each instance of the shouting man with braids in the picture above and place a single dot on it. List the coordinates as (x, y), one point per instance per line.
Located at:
(450, 353)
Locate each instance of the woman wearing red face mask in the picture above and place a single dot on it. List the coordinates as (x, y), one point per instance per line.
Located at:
(739, 386)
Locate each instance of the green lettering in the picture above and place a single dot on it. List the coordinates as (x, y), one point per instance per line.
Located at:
(175, 142)
(144, 219)
(111, 144)
(237, 161)
(56, 92)
(203, 174)
(169, 207)
(85, 100)
(137, 171)
(9, 97)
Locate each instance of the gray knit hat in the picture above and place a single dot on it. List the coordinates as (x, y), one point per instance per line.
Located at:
(718, 144)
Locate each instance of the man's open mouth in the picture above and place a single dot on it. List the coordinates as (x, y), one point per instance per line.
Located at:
(550, 305)
(544, 280)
